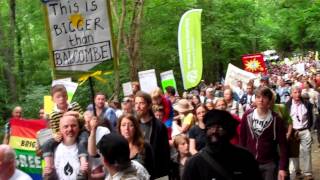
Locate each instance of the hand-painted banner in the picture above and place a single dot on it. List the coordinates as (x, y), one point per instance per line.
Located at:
(80, 33)
(23, 141)
(234, 74)
(167, 79)
(254, 63)
(190, 48)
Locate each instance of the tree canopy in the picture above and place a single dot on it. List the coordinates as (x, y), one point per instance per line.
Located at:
(230, 28)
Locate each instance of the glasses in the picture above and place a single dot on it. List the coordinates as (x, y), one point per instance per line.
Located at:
(298, 118)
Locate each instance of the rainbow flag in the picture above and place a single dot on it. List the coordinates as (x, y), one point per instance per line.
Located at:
(23, 141)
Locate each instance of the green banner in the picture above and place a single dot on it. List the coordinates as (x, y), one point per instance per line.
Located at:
(168, 82)
(167, 79)
(190, 49)
(28, 161)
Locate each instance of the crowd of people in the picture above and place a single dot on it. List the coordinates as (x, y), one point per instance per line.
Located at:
(214, 131)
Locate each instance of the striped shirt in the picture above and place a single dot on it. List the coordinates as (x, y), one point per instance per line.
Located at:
(57, 114)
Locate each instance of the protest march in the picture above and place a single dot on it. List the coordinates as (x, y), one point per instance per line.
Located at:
(258, 119)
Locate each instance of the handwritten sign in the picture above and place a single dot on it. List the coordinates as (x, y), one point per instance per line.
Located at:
(80, 33)
(234, 74)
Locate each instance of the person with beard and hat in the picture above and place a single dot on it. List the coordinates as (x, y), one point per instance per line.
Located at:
(220, 159)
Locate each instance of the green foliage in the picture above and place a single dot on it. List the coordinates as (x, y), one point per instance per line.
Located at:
(230, 28)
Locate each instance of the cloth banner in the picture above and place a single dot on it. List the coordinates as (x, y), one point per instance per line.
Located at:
(190, 48)
(23, 140)
(254, 63)
(79, 33)
(235, 74)
(167, 79)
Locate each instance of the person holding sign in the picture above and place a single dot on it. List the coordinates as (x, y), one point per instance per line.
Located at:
(16, 113)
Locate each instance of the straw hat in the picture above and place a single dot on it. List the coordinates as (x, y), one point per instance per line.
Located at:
(183, 106)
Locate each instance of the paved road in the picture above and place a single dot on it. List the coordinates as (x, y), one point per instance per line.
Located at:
(316, 158)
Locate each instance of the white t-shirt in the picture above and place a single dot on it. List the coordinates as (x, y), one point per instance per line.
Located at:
(66, 161)
(19, 175)
(259, 124)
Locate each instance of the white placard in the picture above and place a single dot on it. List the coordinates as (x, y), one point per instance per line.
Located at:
(148, 80)
(235, 74)
(127, 89)
(166, 75)
(80, 33)
(44, 135)
(301, 68)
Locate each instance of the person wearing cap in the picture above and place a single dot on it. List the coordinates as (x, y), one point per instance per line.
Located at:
(219, 159)
(263, 133)
(127, 106)
(185, 119)
(155, 133)
(116, 158)
(264, 81)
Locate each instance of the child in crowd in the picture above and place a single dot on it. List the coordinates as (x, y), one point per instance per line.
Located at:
(158, 111)
(181, 145)
(59, 97)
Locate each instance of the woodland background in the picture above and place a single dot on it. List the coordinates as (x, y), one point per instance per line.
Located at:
(145, 32)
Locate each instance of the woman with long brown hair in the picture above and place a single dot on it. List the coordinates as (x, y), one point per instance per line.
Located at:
(141, 151)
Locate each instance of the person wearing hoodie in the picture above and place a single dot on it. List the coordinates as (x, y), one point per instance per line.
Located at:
(263, 133)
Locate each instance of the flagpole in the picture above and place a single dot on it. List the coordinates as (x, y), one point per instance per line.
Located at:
(92, 96)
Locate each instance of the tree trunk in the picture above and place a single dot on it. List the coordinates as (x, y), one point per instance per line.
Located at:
(131, 40)
(135, 39)
(20, 60)
(7, 52)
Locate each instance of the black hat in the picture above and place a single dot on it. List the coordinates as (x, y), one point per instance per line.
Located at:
(222, 118)
(114, 148)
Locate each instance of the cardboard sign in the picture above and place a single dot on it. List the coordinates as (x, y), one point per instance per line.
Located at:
(127, 89)
(148, 80)
(80, 33)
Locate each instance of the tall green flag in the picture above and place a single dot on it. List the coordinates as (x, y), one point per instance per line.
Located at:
(190, 49)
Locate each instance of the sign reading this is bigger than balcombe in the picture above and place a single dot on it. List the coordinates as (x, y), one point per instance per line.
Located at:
(80, 33)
